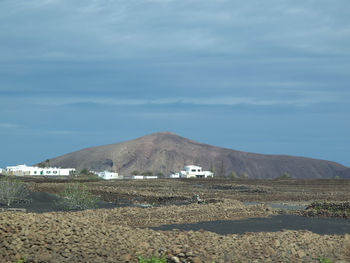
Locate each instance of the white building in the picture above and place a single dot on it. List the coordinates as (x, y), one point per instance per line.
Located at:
(24, 170)
(150, 177)
(194, 171)
(139, 177)
(175, 175)
(108, 175)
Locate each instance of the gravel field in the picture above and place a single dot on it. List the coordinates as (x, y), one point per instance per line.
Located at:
(105, 236)
(120, 234)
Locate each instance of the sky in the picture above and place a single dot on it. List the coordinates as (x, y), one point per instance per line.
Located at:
(258, 76)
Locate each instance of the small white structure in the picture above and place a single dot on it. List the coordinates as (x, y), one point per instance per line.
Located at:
(107, 175)
(150, 177)
(175, 175)
(1, 170)
(140, 177)
(137, 177)
(194, 171)
(24, 170)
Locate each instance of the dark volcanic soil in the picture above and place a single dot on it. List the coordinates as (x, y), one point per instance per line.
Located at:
(323, 226)
(120, 234)
(41, 202)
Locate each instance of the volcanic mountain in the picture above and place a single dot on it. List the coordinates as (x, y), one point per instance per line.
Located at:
(166, 152)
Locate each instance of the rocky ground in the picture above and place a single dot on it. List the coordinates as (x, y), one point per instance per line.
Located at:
(289, 190)
(120, 234)
(111, 236)
(327, 209)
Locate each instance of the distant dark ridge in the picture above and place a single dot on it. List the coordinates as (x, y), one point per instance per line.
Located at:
(165, 152)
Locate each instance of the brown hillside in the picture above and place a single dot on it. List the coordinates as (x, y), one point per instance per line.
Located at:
(166, 152)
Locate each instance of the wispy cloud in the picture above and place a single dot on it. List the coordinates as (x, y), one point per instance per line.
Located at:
(116, 29)
(5, 125)
(290, 98)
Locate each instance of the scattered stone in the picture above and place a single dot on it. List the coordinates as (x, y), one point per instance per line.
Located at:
(190, 254)
(196, 199)
(119, 235)
(174, 259)
(301, 254)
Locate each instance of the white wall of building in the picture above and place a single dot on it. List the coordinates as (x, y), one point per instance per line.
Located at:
(23, 170)
(175, 175)
(137, 177)
(108, 175)
(150, 177)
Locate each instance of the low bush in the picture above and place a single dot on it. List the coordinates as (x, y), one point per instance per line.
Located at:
(324, 260)
(89, 177)
(152, 259)
(12, 191)
(76, 196)
(284, 176)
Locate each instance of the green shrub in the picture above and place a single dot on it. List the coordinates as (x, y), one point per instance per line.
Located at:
(285, 176)
(160, 175)
(147, 173)
(90, 177)
(244, 176)
(152, 259)
(135, 172)
(84, 171)
(12, 191)
(76, 196)
(21, 260)
(233, 175)
(324, 260)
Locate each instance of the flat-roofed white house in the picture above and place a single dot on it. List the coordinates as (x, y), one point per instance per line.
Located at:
(193, 171)
(24, 170)
(107, 175)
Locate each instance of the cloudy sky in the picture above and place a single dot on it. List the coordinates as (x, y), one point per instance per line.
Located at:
(259, 76)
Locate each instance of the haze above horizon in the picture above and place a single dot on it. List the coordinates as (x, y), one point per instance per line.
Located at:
(263, 77)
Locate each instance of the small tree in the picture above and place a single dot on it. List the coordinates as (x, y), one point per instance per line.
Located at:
(336, 177)
(244, 176)
(44, 164)
(12, 191)
(233, 175)
(76, 196)
(84, 171)
(285, 176)
(147, 173)
(135, 172)
(160, 175)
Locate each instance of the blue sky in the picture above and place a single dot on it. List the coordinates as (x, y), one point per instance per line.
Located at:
(259, 76)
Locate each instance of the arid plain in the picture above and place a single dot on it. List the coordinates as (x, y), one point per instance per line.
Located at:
(122, 233)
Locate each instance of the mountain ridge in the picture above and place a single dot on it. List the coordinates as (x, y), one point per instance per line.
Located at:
(166, 152)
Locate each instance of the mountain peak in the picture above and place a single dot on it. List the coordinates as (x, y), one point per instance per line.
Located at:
(165, 152)
(163, 133)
